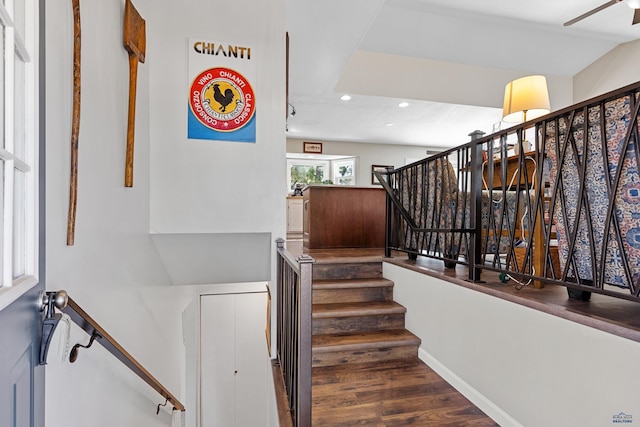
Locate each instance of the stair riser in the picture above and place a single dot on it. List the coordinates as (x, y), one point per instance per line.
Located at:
(328, 296)
(335, 325)
(381, 354)
(369, 270)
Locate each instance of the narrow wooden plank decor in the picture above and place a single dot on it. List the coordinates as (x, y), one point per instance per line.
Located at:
(135, 41)
(75, 126)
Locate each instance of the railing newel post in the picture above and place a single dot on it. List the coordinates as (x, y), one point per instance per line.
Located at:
(476, 210)
(294, 306)
(388, 216)
(304, 344)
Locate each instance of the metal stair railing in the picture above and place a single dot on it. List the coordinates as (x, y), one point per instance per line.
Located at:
(294, 310)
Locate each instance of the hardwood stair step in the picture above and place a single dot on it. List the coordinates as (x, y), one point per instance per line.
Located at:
(347, 270)
(352, 290)
(361, 340)
(357, 309)
(364, 347)
(338, 318)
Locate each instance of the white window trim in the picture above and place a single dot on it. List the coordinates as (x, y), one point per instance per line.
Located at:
(11, 289)
(19, 287)
(9, 79)
(32, 134)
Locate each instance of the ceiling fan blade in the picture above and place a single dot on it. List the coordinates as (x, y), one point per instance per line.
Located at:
(591, 12)
(636, 17)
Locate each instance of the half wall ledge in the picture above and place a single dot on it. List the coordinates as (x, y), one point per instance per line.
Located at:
(612, 315)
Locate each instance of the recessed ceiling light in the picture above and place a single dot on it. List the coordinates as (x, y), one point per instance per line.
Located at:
(403, 104)
(388, 124)
(345, 97)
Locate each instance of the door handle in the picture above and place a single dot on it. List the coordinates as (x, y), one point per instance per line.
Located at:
(59, 299)
(49, 301)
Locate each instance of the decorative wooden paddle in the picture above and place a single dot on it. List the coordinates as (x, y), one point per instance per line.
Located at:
(75, 125)
(135, 41)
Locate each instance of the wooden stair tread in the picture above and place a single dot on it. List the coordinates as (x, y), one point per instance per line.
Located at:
(349, 259)
(348, 309)
(346, 370)
(346, 255)
(323, 284)
(347, 269)
(363, 340)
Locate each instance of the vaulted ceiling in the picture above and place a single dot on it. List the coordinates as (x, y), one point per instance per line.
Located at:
(449, 59)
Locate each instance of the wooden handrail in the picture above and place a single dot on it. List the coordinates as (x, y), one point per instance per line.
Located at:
(90, 326)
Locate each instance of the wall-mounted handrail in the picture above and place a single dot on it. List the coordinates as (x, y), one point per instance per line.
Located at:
(91, 327)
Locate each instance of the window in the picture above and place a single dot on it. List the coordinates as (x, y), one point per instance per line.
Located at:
(304, 172)
(344, 172)
(18, 147)
(319, 169)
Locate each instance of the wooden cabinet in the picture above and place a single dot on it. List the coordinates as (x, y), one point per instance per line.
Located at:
(294, 214)
(526, 179)
(344, 217)
(227, 360)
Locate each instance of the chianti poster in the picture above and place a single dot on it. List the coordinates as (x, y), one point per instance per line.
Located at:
(221, 101)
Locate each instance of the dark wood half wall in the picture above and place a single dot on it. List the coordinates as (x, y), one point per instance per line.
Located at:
(343, 217)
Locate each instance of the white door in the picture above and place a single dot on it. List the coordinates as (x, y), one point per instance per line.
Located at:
(21, 378)
(234, 360)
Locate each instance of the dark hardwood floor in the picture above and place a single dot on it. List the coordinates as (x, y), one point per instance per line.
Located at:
(397, 393)
(408, 392)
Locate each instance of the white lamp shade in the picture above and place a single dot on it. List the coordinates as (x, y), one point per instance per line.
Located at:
(526, 98)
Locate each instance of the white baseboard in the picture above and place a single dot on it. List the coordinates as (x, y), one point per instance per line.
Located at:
(478, 399)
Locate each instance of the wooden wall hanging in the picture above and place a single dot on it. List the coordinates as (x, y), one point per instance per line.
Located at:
(135, 41)
(75, 125)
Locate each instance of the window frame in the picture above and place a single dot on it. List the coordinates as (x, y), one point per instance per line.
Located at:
(347, 162)
(291, 163)
(22, 47)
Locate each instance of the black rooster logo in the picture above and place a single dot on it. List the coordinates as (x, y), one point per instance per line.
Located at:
(223, 100)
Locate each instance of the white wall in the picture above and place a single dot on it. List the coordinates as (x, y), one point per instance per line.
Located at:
(209, 186)
(218, 187)
(521, 366)
(114, 271)
(616, 69)
(113, 260)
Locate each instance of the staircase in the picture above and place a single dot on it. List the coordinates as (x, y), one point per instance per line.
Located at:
(355, 319)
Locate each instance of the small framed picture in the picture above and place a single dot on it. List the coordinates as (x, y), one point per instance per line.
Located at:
(378, 168)
(312, 147)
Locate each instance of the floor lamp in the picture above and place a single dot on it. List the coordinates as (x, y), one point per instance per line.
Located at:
(526, 98)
